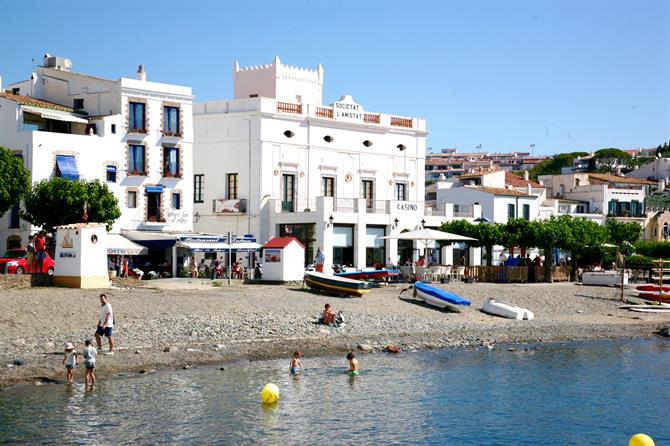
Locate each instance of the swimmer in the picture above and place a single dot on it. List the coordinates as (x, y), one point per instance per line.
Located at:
(353, 364)
(295, 363)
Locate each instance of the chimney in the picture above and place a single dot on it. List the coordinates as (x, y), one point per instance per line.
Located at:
(141, 74)
(525, 175)
(530, 189)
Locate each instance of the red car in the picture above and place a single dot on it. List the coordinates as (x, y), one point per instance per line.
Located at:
(14, 262)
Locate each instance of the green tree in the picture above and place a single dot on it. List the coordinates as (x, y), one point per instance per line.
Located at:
(579, 235)
(609, 160)
(619, 232)
(548, 235)
(553, 166)
(56, 202)
(487, 234)
(14, 180)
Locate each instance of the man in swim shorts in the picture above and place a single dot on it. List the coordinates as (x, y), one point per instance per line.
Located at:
(295, 363)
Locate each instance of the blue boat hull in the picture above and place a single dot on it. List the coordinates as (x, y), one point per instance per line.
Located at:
(439, 298)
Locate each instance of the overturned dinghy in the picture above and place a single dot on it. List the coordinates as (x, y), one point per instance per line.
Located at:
(439, 298)
(499, 308)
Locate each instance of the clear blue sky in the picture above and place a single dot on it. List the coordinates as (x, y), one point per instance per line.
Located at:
(568, 75)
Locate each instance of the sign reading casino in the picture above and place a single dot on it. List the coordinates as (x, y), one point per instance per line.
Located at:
(347, 110)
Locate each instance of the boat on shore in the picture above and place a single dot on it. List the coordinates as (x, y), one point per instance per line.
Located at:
(336, 285)
(439, 298)
(373, 274)
(503, 309)
(651, 288)
(655, 297)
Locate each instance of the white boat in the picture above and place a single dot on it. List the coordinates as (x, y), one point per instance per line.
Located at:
(499, 308)
(651, 310)
(647, 308)
(604, 278)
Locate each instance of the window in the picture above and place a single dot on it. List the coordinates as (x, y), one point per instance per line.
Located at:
(289, 134)
(77, 104)
(288, 193)
(328, 186)
(253, 95)
(111, 174)
(401, 191)
(136, 120)
(114, 129)
(231, 191)
(198, 188)
(511, 211)
(176, 201)
(171, 120)
(367, 143)
(375, 246)
(14, 221)
(154, 195)
(368, 191)
(132, 199)
(328, 138)
(136, 159)
(16, 91)
(66, 167)
(171, 162)
(526, 212)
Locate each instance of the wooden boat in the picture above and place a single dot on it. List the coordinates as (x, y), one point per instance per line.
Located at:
(439, 298)
(499, 308)
(651, 288)
(656, 297)
(373, 274)
(336, 285)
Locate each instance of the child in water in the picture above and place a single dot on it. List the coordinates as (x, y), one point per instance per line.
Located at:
(353, 364)
(295, 363)
(70, 359)
(90, 354)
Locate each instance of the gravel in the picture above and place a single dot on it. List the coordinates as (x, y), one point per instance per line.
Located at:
(188, 323)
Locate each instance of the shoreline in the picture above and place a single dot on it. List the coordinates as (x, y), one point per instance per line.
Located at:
(194, 324)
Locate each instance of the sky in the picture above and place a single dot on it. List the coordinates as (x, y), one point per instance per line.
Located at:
(504, 75)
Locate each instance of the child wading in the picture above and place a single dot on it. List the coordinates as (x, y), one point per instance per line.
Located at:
(295, 363)
(70, 359)
(353, 364)
(90, 354)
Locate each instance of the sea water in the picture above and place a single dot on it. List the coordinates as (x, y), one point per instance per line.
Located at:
(591, 393)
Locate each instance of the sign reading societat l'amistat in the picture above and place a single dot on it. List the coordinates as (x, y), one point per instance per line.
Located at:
(347, 110)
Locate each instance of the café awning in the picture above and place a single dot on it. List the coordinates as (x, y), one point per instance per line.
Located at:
(119, 245)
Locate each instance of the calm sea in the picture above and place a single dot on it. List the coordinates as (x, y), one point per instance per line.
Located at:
(597, 393)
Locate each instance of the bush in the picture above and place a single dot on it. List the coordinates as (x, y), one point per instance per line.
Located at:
(656, 250)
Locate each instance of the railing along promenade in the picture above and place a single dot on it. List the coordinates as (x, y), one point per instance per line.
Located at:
(509, 274)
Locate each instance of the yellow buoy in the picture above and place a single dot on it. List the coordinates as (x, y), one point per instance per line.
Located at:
(641, 440)
(270, 394)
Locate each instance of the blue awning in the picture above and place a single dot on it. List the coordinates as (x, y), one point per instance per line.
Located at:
(111, 169)
(67, 167)
(158, 189)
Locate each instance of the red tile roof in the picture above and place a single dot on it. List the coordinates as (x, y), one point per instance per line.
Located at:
(517, 181)
(617, 179)
(27, 100)
(281, 242)
(499, 191)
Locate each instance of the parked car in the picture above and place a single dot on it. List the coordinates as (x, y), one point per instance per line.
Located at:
(14, 262)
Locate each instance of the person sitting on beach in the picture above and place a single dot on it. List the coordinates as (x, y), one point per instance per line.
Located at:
(353, 364)
(328, 316)
(295, 363)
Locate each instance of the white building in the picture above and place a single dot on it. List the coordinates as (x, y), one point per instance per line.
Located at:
(133, 134)
(276, 161)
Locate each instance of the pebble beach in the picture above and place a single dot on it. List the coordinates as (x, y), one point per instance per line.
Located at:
(186, 323)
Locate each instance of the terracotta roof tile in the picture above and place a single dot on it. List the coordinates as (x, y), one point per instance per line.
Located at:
(499, 191)
(27, 100)
(517, 181)
(616, 179)
(281, 242)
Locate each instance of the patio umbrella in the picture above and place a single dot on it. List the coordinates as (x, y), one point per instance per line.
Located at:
(428, 235)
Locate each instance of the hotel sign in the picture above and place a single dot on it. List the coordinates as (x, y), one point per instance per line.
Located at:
(347, 110)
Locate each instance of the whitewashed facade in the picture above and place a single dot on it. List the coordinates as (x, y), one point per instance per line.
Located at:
(276, 161)
(132, 134)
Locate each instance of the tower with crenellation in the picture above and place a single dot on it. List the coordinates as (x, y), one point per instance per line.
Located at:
(281, 82)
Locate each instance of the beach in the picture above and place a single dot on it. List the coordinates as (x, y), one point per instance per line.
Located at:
(185, 323)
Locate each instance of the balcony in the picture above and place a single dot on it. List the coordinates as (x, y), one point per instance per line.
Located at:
(401, 122)
(287, 107)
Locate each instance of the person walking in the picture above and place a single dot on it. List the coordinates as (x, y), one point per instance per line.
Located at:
(90, 354)
(319, 260)
(105, 324)
(40, 250)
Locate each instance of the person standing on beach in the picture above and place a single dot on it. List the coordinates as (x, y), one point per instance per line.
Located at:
(90, 354)
(70, 359)
(319, 260)
(105, 324)
(40, 250)
(193, 267)
(353, 364)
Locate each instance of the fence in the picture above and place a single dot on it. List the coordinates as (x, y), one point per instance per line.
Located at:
(508, 274)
